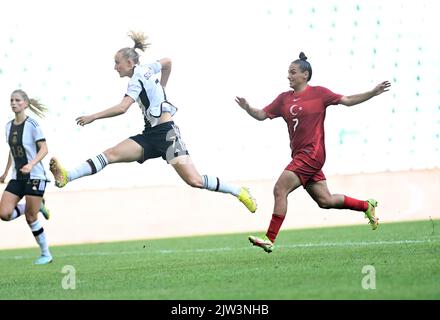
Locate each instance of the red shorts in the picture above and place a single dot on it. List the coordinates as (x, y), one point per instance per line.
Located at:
(308, 170)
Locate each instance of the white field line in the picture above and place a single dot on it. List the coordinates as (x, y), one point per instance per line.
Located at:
(195, 250)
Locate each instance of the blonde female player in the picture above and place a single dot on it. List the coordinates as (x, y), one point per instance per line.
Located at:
(161, 136)
(27, 148)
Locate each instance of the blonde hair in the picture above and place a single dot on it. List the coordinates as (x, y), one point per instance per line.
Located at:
(36, 106)
(140, 42)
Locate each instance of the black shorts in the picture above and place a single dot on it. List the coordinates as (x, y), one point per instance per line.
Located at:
(30, 187)
(163, 141)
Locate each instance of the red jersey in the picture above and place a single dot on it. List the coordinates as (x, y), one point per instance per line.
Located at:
(304, 113)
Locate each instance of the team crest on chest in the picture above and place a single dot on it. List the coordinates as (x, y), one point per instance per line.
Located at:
(14, 137)
(295, 109)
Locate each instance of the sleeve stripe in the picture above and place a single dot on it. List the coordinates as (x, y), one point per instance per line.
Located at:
(33, 122)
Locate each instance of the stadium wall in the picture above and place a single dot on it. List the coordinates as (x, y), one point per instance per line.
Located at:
(168, 211)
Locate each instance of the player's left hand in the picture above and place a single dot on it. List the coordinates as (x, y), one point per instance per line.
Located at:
(382, 87)
(242, 103)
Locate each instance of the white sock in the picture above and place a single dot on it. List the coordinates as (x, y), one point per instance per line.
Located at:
(214, 184)
(91, 166)
(18, 211)
(40, 236)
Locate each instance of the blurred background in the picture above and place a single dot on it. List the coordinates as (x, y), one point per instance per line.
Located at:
(62, 52)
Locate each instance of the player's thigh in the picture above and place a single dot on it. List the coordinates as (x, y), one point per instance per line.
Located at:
(8, 203)
(125, 151)
(287, 182)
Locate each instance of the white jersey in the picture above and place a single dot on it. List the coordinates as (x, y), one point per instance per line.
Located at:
(144, 87)
(22, 140)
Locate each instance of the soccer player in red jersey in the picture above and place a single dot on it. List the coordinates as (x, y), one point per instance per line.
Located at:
(303, 109)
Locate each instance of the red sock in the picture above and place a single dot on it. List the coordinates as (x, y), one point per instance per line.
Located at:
(354, 204)
(274, 227)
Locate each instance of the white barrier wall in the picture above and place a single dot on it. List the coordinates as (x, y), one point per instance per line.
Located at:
(157, 212)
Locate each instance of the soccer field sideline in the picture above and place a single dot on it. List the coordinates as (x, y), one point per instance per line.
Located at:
(435, 239)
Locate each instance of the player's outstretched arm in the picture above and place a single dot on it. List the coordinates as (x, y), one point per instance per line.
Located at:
(258, 114)
(361, 97)
(114, 111)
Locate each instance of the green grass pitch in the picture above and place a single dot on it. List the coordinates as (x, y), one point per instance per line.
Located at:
(321, 263)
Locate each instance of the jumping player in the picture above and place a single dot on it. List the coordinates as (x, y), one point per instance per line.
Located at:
(161, 136)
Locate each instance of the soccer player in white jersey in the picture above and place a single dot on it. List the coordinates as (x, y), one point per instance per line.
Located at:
(161, 136)
(27, 148)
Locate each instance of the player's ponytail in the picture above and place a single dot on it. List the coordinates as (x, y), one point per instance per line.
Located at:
(37, 107)
(140, 42)
(304, 65)
(139, 39)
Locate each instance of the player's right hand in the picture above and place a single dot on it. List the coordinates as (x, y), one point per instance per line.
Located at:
(83, 120)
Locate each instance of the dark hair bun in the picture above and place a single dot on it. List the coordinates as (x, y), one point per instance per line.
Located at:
(302, 56)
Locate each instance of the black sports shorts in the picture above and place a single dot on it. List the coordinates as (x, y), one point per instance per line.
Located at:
(163, 141)
(30, 187)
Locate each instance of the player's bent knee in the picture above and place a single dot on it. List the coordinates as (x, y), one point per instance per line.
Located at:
(111, 155)
(195, 182)
(324, 204)
(279, 192)
(5, 216)
(31, 218)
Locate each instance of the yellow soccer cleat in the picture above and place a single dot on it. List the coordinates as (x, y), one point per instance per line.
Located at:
(370, 214)
(59, 173)
(263, 243)
(246, 198)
